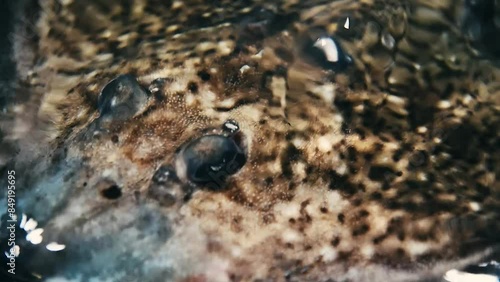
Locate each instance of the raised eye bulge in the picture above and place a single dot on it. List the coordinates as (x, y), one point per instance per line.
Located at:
(211, 159)
(122, 98)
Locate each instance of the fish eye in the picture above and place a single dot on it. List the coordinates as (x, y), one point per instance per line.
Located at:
(328, 53)
(210, 159)
(122, 98)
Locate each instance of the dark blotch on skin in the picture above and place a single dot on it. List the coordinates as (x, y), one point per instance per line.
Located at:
(341, 218)
(193, 87)
(336, 241)
(211, 159)
(122, 98)
(262, 22)
(112, 192)
(361, 230)
(108, 189)
(461, 140)
(381, 173)
(342, 184)
(291, 155)
(204, 75)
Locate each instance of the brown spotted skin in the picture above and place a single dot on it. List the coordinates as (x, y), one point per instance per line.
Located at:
(387, 171)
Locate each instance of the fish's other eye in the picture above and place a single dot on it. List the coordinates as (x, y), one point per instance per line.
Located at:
(210, 159)
(122, 98)
(327, 52)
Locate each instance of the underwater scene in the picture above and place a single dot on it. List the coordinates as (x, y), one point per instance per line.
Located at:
(250, 140)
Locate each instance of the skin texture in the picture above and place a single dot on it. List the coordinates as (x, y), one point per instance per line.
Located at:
(385, 169)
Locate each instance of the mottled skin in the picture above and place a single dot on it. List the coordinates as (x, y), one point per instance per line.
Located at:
(387, 171)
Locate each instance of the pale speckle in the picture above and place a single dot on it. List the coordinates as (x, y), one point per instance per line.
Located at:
(443, 104)
(291, 236)
(172, 28)
(24, 219)
(258, 55)
(475, 206)
(454, 275)
(422, 129)
(346, 24)
(326, 91)
(30, 225)
(324, 143)
(55, 247)
(422, 176)
(177, 4)
(367, 251)
(65, 2)
(467, 99)
(104, 57)
(225, 47)
(388, 41)
(244, 68)
(35, 236)
(416, 248)
(289, 211)
(328, 254)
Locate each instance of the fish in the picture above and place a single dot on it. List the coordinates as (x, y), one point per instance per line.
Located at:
(283, 140)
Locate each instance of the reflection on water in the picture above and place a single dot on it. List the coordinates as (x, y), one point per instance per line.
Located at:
(251, 141)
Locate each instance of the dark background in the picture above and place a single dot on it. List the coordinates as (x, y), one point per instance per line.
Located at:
(8, 9)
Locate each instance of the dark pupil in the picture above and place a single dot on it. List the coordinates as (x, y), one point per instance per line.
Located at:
(212, 158)
(216, 162)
